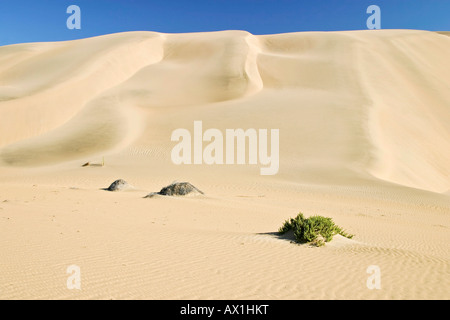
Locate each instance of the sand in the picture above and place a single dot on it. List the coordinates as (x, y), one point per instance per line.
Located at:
(363, 118)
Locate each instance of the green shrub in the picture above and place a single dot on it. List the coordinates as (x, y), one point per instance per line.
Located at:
(312, 229)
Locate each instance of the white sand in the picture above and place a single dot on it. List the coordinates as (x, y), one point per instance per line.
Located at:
(364, 120)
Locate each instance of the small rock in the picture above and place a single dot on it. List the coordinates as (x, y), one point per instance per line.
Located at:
(176, 189)
(118, 185)
(179, 189)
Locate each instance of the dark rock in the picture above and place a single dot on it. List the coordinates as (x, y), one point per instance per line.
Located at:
(118, 185)
(176, 189)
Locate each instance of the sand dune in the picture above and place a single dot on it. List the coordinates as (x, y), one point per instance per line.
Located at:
(364, 130)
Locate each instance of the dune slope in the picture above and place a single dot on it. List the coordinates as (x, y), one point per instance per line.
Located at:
(377, 100)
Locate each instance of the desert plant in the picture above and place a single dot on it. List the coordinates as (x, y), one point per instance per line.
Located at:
(315, 229)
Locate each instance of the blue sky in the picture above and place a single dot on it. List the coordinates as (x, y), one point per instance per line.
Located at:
(45, 20)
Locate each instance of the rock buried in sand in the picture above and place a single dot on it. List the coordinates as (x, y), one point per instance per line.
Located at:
(176, 189)
(179, 189)
(118, 185)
